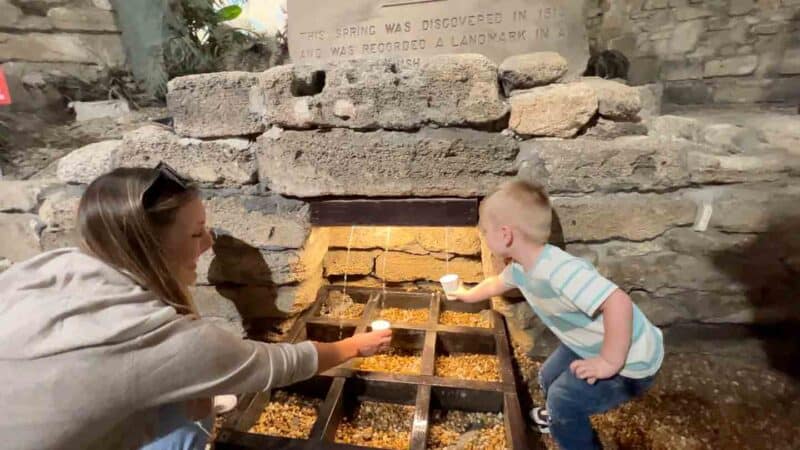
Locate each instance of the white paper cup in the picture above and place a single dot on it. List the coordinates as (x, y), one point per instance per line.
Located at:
(224, 403)
(450, 283)
(379, 325)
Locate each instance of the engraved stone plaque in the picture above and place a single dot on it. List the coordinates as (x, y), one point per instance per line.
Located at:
(408, 29)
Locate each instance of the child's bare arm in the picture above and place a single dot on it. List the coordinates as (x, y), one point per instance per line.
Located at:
(487, 288)
(618, 323)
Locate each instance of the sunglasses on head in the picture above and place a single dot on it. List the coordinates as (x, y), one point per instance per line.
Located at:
(166, 179)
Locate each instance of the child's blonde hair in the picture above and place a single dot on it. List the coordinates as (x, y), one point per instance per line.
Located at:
(522, 205)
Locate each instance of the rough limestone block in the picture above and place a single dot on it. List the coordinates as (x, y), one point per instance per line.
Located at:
(232, 261)
(555, 110)
(357, 262)
(734, 138)
(20, 236)
(59, 209)
(651, 96)
(790, 65)
(767, 165)
(263, 222)
(666, 270)
(10, 15)
(675, 127)
(756, 208)
(213, 105)
(588, 165)
(416, 240)
(431, 162)
(21, 196)
(255, 302)
(100, 109)
(405, 267)
(221, 162)
(446, 90)
(688, 13)
(733, 66)
(89, 162)
(615, 100)
(741, 7)
(531, 70)
(710, 242)
(634, 217)
(105, 49)
(82, 19)
(685, 37)
(105, 5)
(610, 129)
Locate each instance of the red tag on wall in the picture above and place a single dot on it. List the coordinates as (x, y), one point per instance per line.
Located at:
(5, 96)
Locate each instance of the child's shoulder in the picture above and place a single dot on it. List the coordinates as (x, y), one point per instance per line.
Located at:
(559, 255)
(556, 258)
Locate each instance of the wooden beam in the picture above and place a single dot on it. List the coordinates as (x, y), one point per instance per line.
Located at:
(433, 212)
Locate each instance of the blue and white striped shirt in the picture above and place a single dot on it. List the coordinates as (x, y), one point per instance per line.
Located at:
(565, 292)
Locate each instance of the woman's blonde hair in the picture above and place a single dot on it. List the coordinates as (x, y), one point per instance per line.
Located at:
(115, 226)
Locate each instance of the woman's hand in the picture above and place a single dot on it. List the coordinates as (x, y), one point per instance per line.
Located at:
(367, 344)
(331, 354)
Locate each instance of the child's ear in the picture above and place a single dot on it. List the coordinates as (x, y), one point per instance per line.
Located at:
(508, 235)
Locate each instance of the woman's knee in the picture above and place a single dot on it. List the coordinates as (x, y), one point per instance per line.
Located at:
(186, 437)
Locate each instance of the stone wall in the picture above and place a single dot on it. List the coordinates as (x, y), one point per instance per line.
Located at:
(698, 222)
(45, 45)
(416, 256)
(705, 51)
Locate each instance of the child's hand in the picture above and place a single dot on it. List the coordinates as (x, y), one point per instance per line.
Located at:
(593, 369)
(458, 294)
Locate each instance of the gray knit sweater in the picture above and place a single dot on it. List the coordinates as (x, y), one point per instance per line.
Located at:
(87, 356)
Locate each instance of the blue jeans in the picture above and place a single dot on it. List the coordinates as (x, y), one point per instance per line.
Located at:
(570, 401)
(176, 432)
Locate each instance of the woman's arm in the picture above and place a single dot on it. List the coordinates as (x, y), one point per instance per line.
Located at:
(190, 359)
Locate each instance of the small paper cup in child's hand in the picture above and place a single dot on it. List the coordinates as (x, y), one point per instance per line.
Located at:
(450, 283)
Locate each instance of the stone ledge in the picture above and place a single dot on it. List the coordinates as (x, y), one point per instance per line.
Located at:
(221, 162)
(588, 165)
(24, 231)
(634, 217)
(443, 162)
(416, 240)
(251, 221)
(101, 49)
(558, 110)
(446, 90)
(404, 267)
(21, 196)
(213, 105)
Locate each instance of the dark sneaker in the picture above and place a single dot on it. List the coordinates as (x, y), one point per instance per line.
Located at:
(541, 418)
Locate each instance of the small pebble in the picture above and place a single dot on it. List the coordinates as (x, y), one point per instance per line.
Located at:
(464, 319)
(400, 315)
(381, 425)
(288, 415)
(469, 366)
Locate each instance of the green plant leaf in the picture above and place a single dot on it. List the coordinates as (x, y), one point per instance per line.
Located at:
(229, 13)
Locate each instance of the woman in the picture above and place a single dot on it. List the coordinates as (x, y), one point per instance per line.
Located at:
(100, 347)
